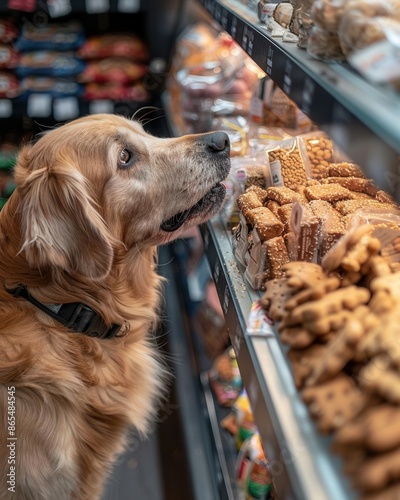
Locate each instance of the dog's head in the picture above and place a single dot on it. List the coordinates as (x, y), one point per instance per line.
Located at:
(102, 181)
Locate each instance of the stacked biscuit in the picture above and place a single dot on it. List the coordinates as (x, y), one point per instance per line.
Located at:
(341, 321)
(302, 223)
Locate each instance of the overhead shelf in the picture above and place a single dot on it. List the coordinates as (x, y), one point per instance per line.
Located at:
(302, 465)
(362, 119)
(58, 8)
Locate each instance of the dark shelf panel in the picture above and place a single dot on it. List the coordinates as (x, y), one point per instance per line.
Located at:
(58, 8)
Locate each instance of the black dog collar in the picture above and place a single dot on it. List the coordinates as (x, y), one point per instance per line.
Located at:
(76, 316)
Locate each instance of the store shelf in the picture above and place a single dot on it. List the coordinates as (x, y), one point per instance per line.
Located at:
(45, 107)
(58, 8)
(302, 466)
(363, 119)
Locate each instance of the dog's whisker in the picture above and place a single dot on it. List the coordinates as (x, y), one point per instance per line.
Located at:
(152, 109)
(152, 120)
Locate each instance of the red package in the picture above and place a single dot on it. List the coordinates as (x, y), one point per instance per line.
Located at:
(114, 45)
(113, 69)
(9, 86)
(9, 58)
(24, 5)
(8, 32)
(115, 92)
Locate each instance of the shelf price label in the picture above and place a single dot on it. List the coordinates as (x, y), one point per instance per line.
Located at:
(217, 12)
(308, 95)
(97, 6)
(234, 27)
(224, 19)
(270, 56)
(216, 271)
(39, 105)
(225, 304)
(6, 108)
(238, 339)
(287, 79)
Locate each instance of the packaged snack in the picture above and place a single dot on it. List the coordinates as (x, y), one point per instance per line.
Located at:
(302, 22)
(252, 470)
(244, 419)
(283, 14)
(320, 152)
(225, 379)
(240, 241)
(9, 58)
(112, 69)
(324, 45)
(288, 165)
(327, 14)
(8, 32)
(257, 272)
(9, 85)
(52, 86)
(49, 63)
(305, 227)
(283, 112)
(55, 37)
(128, 46)
(265, 10)
(116, 92)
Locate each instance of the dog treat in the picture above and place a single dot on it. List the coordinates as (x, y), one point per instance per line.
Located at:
(339, 351)
(288, 167)
(255, 176)
(327, 14)
(320, 152)
(376, 429)
(384, 197)
(379, 378)
(306, 227)
(284, 215)
(334, 258)
(303, 274)
(261, 193)
(360, 253)
(376, 472)
(392, 492)
(334, 302)
(346, 207)
(302, 362)
(274, 298)
(247, 201)
(328, 192)
(334, 402)
(266, 224)
(313, 292)
(277, 256)
(283, 195)
(357, 184)
(274, 207)
(345, 170)
(296, 337)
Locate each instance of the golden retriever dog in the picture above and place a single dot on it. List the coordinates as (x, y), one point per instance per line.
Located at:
(79, 294)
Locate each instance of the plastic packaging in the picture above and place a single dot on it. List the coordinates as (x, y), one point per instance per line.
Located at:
(113, 69)
(327, 14)
(114, 45)
(265, 10)
(324, 45)
(225, 379)
(49, 63)
(283, 14)
(57, 37)
(305, 227)
(320, 153)
(288, 164)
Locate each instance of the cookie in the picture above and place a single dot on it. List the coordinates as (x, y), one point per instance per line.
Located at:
(377, 472)
(302, 275)
(275, 297)
(302, 362)
(296, 337)
(328, 192)
(378, 377)
(334, 402)
(376, 429)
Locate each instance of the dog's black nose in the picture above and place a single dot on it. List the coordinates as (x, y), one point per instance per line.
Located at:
(217, 142)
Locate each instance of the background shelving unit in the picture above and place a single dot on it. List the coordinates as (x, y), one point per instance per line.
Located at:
(364, 121)
(361, 118)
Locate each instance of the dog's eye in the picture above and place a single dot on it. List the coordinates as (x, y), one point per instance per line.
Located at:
(126, 158)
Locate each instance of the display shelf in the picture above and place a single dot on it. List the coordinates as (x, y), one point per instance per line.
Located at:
(362, 119)
(224, 442)
(302, 466)
(58, 8)
(47, 107)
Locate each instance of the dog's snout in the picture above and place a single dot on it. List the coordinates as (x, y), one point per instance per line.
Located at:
(217, 142)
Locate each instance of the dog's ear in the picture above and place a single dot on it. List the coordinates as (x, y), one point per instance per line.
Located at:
(60, 224)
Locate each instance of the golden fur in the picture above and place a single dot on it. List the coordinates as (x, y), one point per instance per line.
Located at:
(81, 228)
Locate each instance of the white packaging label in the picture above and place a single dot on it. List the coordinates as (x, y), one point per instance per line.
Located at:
(66, 108)
(378, 63)
(39, 105)
(276, 173)
(129, 6)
